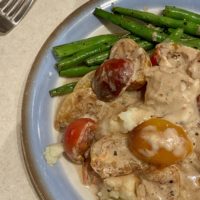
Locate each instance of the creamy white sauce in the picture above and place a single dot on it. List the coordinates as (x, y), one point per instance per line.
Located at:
(171, 93)
(134, 116)
(168, 140)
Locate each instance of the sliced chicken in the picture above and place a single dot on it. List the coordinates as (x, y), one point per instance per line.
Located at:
(171, 89)
(194, 67)
(110, 156)
(78, 104)
(159, 184)
(129, 49)
(174, 55)
(190, 170)
(85, 81)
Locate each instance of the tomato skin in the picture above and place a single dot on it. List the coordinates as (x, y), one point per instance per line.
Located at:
(78, 138)
(198, 102)
(154, 59)
(111, 78)
(89, 176)
(161, 156)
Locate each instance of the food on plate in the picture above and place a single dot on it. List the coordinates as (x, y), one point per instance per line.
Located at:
(85, 81)
(159, 142)
(53, 152)
(155, 184)
(179, 13)
(77, 71)
(132, 26)
(78, 138)
(127, 48)
(189, 27)
(112, 78)
(64, 89)
(133, 123)
(76, 104)
(115, 75)
(110, 157)
(69, 49)
(80, 56)
(97, 59)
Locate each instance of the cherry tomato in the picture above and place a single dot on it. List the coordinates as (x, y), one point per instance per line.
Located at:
(159, 142)
(198, 102)
(111, 78)
(88, 174)
(78, 138)
(154, 59)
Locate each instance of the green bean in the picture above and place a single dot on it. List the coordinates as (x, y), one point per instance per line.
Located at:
(184, 35)
(132, 26)
(82, 55)
(157, 28)
(146, 45)
(101, 57)
(143, 43)
(179, 13)
(189, 27)
(64, 89)
(194, 43)
(97, 59)
(133, 37)
(77, 71)
(191, 41)
(176, 35)
(188, 40)
(73, 47)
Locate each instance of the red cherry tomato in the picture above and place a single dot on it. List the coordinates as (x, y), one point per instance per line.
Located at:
(154, 59)
(111, 78)
(78, 138)
(198, 102)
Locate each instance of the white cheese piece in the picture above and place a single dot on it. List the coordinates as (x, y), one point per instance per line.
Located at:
(134, 116)
(53, 152)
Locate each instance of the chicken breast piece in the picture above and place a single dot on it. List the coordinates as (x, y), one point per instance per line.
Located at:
(175, 55)
(159, 184)
(110, 156)
(194, 67)
(85, 81)
(110, 123)
(170, 90)
(84, 103)
(80, 103)
(128, 49)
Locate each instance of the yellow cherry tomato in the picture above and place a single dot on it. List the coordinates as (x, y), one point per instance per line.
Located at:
(159, 142)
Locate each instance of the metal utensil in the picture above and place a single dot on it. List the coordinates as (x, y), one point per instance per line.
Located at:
(12, 12)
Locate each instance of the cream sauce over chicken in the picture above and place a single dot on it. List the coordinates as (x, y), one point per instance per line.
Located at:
(172, 88)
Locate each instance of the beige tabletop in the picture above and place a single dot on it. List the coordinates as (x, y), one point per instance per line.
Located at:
(17, 52)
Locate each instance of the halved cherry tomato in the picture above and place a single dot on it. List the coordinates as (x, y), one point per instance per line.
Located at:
(159, 142)
(78, 138)
(154, 59)
(111, 78)
(198, 102)
(88, 174)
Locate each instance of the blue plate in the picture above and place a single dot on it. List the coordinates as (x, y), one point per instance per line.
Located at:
(62, 181)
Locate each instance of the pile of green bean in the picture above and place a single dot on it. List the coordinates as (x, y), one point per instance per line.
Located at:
(77, 58)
